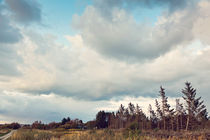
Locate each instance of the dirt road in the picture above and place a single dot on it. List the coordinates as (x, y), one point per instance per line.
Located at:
(5, 137)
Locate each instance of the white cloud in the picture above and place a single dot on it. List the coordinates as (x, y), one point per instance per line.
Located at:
(26, 108)
(90, 72)
(78, 71)
(201, 26)
(122, 37)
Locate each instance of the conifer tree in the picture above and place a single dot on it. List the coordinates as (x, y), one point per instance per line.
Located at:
(159, 113)
(140, 117)
(167, 113)
(121, 116)
(196, 111)
(131, 109)
(153, 118)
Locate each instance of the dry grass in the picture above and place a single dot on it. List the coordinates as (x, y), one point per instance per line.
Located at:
(106, 134)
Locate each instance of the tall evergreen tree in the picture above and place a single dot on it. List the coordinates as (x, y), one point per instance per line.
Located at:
(153, 118)
(102, 119)
(167, 113)
(196, 111)
(179, 115)
(121, 115)
(64, 120)
(159, 113)
(140, 117)
(131, 109)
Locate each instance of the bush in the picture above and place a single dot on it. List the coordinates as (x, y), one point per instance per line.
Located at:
(15, 125)
(92, 132)
(128, 133)
(133, 126)
(109, 132)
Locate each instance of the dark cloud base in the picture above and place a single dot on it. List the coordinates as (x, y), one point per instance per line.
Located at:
(25, 11)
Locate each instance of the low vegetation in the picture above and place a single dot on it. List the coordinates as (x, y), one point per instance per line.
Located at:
(107, 134)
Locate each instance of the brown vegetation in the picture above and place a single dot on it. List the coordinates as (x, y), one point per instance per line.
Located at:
(107, 134)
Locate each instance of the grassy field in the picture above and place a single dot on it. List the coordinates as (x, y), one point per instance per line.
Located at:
(106, 134)
(4, 132)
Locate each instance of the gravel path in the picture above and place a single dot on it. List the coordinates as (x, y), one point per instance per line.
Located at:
(5, 137)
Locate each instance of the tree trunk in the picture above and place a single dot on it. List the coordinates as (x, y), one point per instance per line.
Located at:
(164, 123)
(172, 124)
(142, 125)
(181, 122)
(177, 123)
(187, 124)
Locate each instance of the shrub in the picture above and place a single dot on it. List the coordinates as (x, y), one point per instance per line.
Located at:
(109, 132)
(133, 126)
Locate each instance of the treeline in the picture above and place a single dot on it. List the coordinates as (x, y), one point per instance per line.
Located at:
(66, 123)
(190, 115)
(13, 125)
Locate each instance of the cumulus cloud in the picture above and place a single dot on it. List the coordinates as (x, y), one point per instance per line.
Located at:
(105, 6)
(201, 25)
(25, 11)
(26, 108)
(121, 37)
(9, 36)
(80, 72)
(98, 65)
(29, 108)
(9, 60)
(8, 33)
(47, 108)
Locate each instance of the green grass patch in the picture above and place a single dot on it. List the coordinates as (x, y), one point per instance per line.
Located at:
(4, 132)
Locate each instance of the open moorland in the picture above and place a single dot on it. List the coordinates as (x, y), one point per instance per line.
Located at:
(106, 134)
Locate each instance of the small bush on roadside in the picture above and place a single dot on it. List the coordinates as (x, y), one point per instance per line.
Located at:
(134, 126)
(109, 132)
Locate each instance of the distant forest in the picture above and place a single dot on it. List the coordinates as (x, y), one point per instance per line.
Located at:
(190, 115)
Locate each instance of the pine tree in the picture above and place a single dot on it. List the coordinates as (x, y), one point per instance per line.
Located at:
(196, 111)
(64, 120)
(200, 110)
(102, 120)
(131, 109)
(127, 115)
(140, 117)
(68, 119)
(159, 113)
(153, 118)
(122, 118)
(167, 113)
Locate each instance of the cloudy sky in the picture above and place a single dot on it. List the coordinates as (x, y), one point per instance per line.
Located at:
(75, 57)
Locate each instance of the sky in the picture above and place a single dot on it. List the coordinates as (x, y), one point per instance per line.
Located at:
(74, 57)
